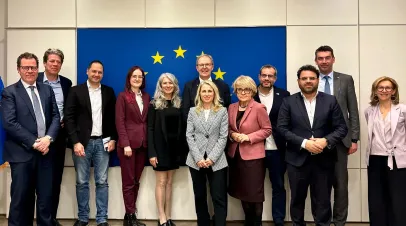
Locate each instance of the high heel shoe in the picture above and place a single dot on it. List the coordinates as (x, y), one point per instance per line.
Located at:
(170, 222)
(164, 224)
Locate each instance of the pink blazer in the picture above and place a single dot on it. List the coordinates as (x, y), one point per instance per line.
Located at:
(254, 123)
(398, 130)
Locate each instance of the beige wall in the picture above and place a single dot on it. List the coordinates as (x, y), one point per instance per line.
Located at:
(368, 37)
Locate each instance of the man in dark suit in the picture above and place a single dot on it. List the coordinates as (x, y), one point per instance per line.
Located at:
(342, 87)
(275, 145)
(53, 60)
(89, 121)
(204, 66)
(312, 124)
(31, 121)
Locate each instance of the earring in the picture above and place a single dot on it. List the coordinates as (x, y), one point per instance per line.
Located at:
(393, 97)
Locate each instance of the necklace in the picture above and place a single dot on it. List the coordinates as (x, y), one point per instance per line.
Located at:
(242, 106)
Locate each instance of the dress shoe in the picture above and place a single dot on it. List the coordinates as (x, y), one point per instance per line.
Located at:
(80, 223)
(170, 222)
(131, 220)
(103, 224)
(164, 224)
(56, 222)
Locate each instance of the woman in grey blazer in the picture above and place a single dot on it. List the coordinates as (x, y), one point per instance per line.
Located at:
(206, 134)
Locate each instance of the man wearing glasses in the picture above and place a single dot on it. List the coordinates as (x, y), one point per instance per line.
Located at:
(204, 66)
(31, 121)
(53, 60)
(275, 144)
(342, 87)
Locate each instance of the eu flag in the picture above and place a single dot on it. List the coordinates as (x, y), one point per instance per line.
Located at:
(236, 51)
(2, 132)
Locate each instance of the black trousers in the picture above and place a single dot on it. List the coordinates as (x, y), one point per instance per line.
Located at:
(320, 180)
(58, 158)
(386, 193)
(218, 190)
(340, 185)
(31, 180)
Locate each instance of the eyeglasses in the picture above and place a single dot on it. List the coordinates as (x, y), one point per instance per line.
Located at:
(381, 88)
(27, 68)
(204, 65)
(243, 91)
(267, 76)
(137, 77)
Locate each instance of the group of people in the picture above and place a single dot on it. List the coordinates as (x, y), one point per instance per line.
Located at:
(308, 134)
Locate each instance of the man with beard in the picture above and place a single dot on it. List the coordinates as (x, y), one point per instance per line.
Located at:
(53, 60)
(342, 87)
(312, 124)
(275, 145)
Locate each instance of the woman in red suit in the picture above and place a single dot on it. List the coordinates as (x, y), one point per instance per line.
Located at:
(131, 123)
(249, 126)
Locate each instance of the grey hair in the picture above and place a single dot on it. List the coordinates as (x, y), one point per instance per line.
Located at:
(204, 55)
(50, 51)
(159, 100)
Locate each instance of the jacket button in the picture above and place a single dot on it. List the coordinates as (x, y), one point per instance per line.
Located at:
(394, 147)
(207, 136)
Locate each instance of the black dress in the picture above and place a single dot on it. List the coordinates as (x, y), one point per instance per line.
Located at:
(164, 136)
(246, 176)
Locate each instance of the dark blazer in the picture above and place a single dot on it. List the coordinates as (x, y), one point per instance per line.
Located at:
(190, 91)
(130, 123)
(19, 120)
(65, 83)
(78, 114)
(294, 125)
(278, 95)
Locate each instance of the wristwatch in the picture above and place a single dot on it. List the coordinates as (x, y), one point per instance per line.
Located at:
(50, 138)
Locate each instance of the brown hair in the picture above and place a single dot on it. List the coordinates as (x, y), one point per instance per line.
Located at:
(374, 88)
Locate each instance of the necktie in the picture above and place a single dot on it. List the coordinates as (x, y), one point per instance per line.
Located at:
(38, 115)
(327, 86)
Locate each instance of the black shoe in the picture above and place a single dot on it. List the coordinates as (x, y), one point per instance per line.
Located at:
(103, 224)
(56, 222)
(164, 224)
(131, 220)
(170, 222)
(80, 223)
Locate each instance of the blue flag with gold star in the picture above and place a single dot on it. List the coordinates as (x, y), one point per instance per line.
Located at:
(236, 51)
(2, 132)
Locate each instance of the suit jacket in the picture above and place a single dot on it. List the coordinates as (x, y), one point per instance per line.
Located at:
(19, 120)
(207, 137)
(344, 91)
(294, 125)
(398, 130)
(131, 124)
(78, 114)
(190, 91)
(254, 123)
(278, 95)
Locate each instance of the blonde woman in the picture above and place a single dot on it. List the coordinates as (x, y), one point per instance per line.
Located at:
(386, 154)
(206, 135)
(165, 141)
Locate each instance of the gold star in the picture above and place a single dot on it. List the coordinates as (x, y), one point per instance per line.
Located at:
(157, 58)
(219, 74)
(145, 72)
(179, 52)
(200, 54)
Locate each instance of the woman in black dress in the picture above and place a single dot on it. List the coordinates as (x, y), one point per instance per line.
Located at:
(164, 141)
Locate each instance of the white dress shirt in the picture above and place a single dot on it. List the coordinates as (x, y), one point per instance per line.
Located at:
(138, 98)
(26, 86)
(267, 100)
(310, 109)
(96, 106)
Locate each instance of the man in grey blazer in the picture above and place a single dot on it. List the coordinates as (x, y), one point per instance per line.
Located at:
(342, 87)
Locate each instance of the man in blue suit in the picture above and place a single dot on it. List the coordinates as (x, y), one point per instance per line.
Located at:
(31, 121)
(53, 60)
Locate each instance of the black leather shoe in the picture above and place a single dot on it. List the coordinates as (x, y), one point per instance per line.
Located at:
(164, 224)
(80, 223)
(131, 220)
(103, 224)
(170, 222)
(56, 222)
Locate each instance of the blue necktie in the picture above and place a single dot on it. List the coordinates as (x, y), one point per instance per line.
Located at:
(327, 86)
(38, 115)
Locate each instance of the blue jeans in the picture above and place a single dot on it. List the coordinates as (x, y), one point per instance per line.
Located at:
(276, 165)
(94, 153)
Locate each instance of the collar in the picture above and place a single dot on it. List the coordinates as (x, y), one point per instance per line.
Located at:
(58, 80)
(201, 80)
(330, 75)
(266, 95)
(301, 93)
(26, 85)
(89, 87)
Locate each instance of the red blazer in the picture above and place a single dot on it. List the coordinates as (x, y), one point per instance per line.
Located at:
(130, 123)
(254, 123)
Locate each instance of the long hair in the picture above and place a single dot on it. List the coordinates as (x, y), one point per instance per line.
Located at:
(216, 99)
(374, 88)
(128, 78)
(159, 100)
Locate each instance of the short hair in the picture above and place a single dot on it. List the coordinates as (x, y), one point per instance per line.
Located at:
(308, 67)
(216, 99)
(324, 49)
(128, 78)
(374, 88)
(50, 51)
(244, 81)
(95, 62)
(27, 55)
(204, 55)
(268, 66)
(159, 101)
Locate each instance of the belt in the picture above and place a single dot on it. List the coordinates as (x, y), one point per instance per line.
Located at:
(95, 137)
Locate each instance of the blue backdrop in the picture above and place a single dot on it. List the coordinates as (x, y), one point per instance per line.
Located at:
(236, 51)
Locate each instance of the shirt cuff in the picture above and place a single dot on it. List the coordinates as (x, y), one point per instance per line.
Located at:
(304, 144)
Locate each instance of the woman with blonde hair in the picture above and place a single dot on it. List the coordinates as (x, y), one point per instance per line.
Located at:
(249, 126)
(206, 134)
(165, 141)
(386, 154)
